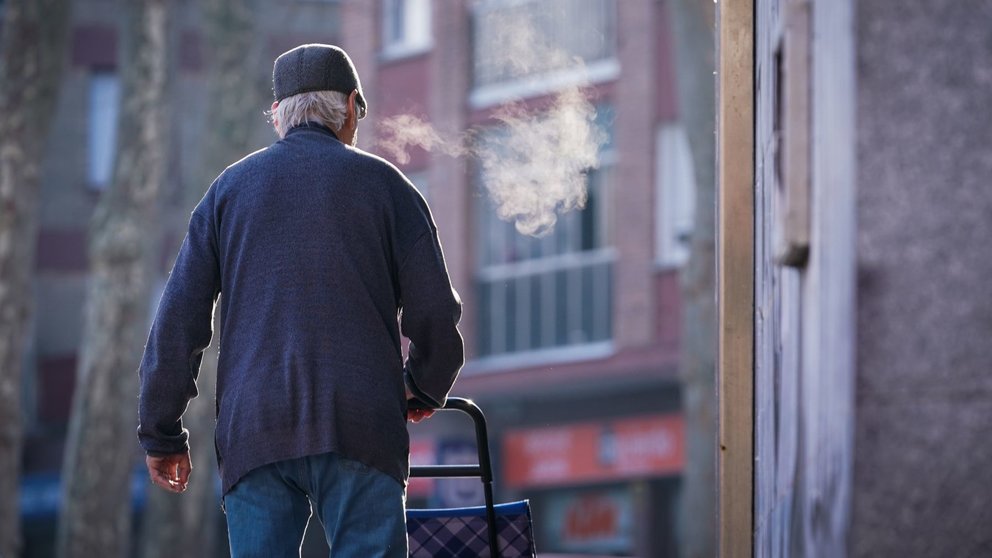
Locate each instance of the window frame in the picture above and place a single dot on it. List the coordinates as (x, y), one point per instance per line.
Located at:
(599, 70)
(573, 260)
(406, 45)
(675, 185)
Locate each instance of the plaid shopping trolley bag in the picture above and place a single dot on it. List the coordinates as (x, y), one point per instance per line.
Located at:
(490, 531)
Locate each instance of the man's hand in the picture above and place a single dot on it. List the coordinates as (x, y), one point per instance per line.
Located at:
(171, 472)
(416, 415)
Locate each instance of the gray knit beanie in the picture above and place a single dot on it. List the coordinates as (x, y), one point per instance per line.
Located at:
(316, 67)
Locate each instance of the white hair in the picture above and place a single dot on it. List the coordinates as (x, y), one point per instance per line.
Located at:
(329, 108)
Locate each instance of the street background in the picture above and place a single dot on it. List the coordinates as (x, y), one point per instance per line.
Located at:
(548, 139)
(614, 226)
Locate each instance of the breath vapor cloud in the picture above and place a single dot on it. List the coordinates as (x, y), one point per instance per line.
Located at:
(533, 165)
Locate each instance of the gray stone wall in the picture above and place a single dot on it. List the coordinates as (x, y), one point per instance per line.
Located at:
(923, 462)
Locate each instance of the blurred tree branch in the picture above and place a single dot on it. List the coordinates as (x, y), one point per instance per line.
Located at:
(31, 60)
(95, 517)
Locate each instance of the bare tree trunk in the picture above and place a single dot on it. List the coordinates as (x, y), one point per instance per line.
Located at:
(693, 23)
(31, 61)
(238, 86)
(100, 451)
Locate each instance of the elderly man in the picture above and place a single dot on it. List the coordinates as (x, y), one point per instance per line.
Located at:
(318, 248)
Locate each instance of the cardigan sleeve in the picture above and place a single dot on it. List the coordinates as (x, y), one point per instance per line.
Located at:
(180, 333)
(429, 317)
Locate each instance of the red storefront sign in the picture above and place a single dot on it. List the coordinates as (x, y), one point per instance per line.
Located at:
(651, 445)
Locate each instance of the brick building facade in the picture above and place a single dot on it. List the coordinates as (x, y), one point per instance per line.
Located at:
(568, 413)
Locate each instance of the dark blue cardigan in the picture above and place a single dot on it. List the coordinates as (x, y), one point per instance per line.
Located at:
(317, 248)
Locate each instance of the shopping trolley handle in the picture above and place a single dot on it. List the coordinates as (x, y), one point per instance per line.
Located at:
(462, 404)
(484, 469)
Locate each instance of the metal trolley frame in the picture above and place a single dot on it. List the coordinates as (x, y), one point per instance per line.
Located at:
(483, 470)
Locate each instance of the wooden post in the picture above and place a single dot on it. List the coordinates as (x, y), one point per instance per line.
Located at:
(735, 275)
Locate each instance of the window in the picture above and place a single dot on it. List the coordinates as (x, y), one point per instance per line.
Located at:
(104, 107)
(537, 294)
(675, 193)
(529, 47)
(406, 27)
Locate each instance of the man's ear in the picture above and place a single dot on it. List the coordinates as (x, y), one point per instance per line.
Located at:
(272, 117)
(353, 107)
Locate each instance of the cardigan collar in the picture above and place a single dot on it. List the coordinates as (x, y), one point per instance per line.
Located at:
(314, 126)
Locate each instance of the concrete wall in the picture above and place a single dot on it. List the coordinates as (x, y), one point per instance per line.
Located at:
(923, 464)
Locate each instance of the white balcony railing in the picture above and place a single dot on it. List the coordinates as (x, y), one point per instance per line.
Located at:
(535, 305)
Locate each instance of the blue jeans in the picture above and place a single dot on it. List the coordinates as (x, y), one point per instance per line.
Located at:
(361, 508)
